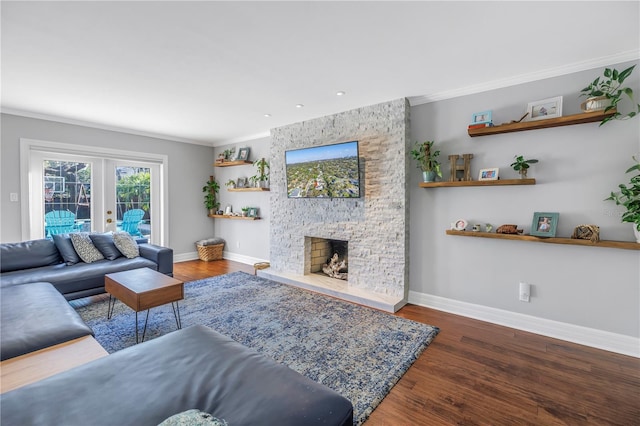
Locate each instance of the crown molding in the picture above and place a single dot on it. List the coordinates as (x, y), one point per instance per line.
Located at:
(64, 120)
(630, 55)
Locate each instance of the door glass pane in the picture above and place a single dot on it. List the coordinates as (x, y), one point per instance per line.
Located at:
(133, 200)
(67, 197)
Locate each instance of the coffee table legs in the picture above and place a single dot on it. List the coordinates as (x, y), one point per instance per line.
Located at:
(176, 314)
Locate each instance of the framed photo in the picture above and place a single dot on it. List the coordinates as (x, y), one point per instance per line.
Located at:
(489, 174)
(243, 154)
(459, 225)
(481, 117)
(241, 183)
(544, 224)
(252, 212)
(546, 108)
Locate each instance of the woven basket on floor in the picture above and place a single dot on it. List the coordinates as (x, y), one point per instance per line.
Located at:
(211, 252)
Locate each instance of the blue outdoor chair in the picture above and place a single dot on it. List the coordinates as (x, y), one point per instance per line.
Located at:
(131, 220)
(59, 222)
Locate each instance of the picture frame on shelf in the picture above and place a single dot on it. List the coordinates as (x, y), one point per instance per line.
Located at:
(544, 224)
(252, 212)
(242, 182)
(243, 154)
(483, 117)
(459, 225)
(544, 109)
(489, 174)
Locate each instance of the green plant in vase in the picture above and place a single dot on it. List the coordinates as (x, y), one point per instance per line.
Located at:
(427, 160)
(262, 178)
(607, 93)
(521, 165)
(211, 189)
(629, 198)
(230, 183)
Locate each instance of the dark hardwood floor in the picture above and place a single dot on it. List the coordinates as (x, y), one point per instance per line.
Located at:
(477, 373)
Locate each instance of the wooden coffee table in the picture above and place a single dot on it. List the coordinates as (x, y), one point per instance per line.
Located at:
(142, 289)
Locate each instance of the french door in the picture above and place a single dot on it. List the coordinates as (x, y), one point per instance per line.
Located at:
(93, 193)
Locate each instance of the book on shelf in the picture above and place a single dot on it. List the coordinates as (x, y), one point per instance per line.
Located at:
(480, 125)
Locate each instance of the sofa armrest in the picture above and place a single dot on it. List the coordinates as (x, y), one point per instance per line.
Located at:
(163, 256)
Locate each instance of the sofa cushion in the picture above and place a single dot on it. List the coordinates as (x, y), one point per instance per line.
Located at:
(65, 247)
(126, 244)
(104, 243)
(85, 248)
(193, 367)
(36, 316)
(28, 254)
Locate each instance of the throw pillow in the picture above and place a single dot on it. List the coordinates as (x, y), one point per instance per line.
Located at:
(126, 244)
(104, 243)
(193, 418)
(65, 247)
(85, 248)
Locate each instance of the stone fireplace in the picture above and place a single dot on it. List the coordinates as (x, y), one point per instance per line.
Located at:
(329, 257)
(375, 225)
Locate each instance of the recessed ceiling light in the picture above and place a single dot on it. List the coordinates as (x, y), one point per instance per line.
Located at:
(340, 93)
(299, 106)
(267, 115)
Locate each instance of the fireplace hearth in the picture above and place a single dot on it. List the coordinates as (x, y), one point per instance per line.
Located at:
(330, 257)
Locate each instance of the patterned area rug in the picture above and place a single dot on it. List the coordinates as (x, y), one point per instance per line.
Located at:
(357, 351)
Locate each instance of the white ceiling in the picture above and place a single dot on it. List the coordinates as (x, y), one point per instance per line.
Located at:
(207, 71)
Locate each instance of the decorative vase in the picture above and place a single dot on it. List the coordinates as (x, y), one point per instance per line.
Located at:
(429, 176)
(636, 232)
(523, 173)
(597, 103)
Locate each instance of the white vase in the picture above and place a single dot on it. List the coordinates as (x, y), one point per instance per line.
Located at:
(595, 104)
(636, 232)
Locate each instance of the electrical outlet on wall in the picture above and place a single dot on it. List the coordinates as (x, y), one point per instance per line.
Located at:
(525, 292)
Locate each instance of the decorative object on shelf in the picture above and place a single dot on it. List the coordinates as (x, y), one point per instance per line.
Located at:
(606, 94)
(488, 227)
(245, 210)
(517, 121)
(242, 182)
(252, 212)
(220, 158)
(476, 227)
(545, 109)
(231, 183)
(489, 174)
(481, 119)
(427, 159)
(464, 168)
(459, 225)
(508, 229)
(544, 224)
(243, 154)
(210, 189)
(586, 232)
(228, 210)
(521, 165)
(629, 197)
(261, 180)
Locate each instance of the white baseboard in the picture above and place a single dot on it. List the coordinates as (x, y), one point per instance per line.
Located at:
(608, 341)
(183, 257)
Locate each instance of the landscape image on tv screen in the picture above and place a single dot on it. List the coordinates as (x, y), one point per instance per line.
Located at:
(328, 171)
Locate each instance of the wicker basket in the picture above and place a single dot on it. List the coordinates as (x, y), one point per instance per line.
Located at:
(211, 252)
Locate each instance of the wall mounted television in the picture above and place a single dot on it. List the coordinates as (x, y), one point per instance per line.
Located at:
(327, 171)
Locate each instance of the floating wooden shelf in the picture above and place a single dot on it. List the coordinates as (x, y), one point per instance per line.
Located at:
(585, 117)
(247, 189)
(478, 183)
(224, 216)
(530, 238)
(232, 163)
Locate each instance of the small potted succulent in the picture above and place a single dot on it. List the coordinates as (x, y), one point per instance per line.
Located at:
(245, 211)
(210, 189)
(521, 165)
(606, 94)
(629, 197)
(230, 184)
(427, 160)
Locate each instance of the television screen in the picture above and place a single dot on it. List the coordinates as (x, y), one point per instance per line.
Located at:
(328, 171)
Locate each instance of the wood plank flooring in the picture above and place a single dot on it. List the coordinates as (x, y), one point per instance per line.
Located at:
(477, 373)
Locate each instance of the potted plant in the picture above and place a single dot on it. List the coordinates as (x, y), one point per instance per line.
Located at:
(605, 94)
(230, 183)
(262, 178)
(426, 157)
(245, 211)
(521, 165)
(629, 197)
(210, 189)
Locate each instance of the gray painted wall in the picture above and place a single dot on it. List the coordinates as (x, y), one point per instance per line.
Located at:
(189, 168)
(579, 166)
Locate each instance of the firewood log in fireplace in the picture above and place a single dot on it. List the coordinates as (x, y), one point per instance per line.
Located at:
(336, 268)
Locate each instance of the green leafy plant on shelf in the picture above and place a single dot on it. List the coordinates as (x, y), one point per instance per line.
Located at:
(611, 90)
(629, 196)
(262, 177)
(211, 189)
(427, 158)
(521, 165)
